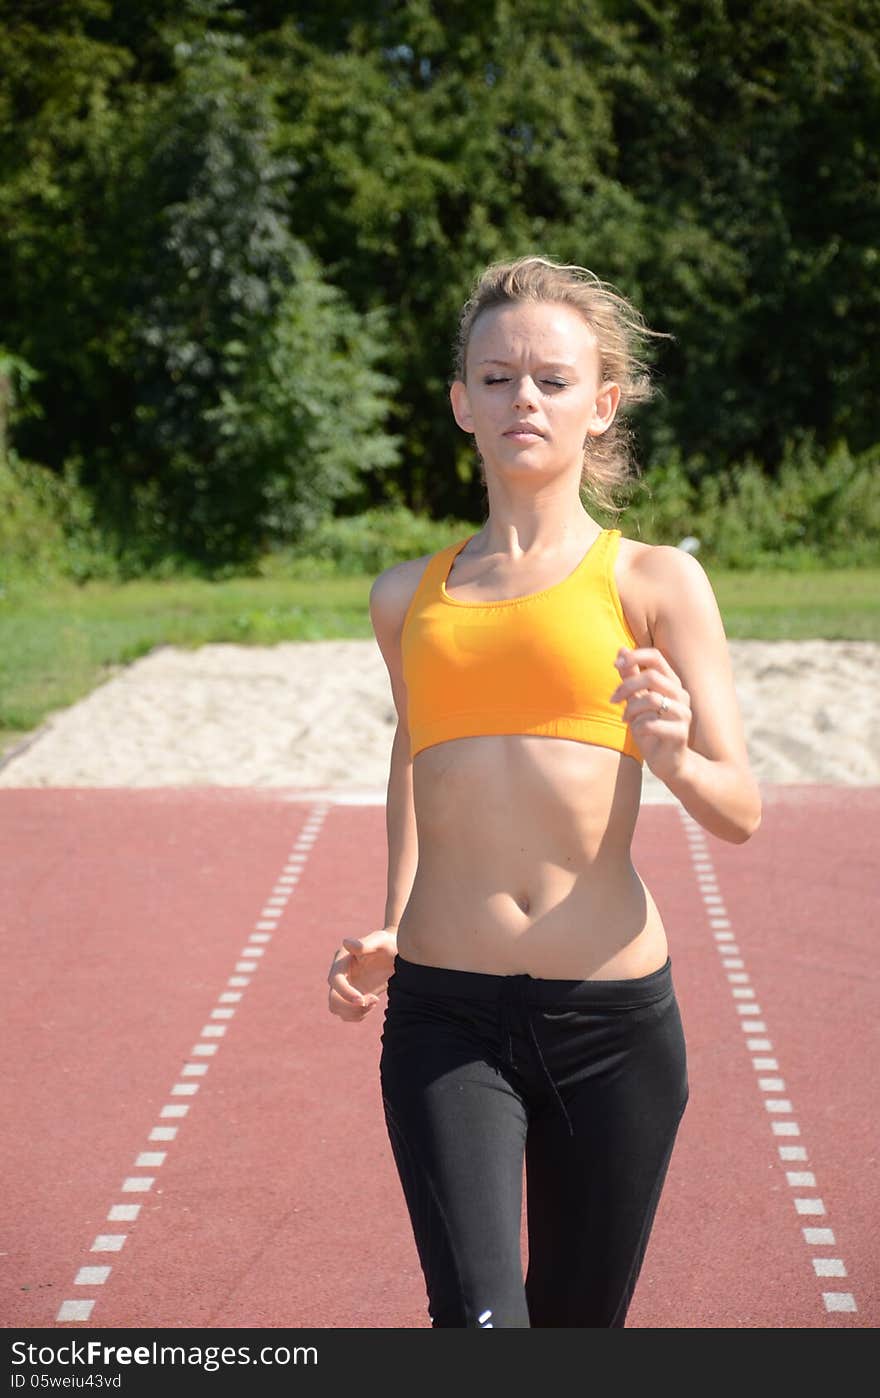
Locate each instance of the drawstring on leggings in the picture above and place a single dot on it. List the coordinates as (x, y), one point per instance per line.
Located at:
(518, 984)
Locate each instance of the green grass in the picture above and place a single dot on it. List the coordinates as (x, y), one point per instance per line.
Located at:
(831, 604)
(57, 644)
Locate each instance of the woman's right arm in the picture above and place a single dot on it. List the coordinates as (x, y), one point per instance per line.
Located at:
(400, 828)
(362, 965)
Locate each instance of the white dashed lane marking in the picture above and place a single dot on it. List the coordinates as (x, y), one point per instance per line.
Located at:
(225, 1009)
(769, 1078)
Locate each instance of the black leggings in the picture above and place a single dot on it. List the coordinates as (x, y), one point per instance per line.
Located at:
(585, 1081)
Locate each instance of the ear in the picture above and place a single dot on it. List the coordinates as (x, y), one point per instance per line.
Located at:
(604, 409)
(461, 408)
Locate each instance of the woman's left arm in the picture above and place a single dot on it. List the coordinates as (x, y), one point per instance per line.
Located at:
(681, 702)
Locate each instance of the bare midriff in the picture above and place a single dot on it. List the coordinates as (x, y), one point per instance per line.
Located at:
(525, 862)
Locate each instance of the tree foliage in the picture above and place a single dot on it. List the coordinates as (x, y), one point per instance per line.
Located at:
(213, 390)
(235, 241)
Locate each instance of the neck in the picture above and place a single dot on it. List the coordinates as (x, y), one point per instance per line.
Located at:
(551, 519)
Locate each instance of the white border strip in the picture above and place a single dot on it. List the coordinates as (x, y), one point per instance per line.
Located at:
(808, 1203)
(226, 1007)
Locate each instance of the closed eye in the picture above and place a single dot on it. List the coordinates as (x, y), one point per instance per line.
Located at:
(551, 383)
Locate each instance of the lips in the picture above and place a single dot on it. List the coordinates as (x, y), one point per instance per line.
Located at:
(522, 429)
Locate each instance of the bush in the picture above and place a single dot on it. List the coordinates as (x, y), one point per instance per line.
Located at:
(364, 544)
(662, 505)
(819, 511)
(47, 530)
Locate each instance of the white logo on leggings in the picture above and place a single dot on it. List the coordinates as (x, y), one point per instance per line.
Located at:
(485, 1321)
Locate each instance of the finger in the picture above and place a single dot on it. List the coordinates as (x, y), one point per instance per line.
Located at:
(343, 1009)
(645, 657)
(371, 941)
(650, 715)
(651, 681)
(644, 677)
(346, 1009)
(348, 1015)
(647, 702)
(634, 678)
(340, 964)
(346, 991)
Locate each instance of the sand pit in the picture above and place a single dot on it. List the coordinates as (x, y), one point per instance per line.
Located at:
(318, 715)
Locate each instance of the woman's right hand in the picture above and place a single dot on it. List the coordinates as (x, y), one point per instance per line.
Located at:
(360, 972)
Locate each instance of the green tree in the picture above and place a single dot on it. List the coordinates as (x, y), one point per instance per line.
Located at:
(156, 283)
(259, 395)
(713, 158)
(750, 130)
(201, 203)
(430, 139)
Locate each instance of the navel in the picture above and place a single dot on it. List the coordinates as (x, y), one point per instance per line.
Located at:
(523, 902)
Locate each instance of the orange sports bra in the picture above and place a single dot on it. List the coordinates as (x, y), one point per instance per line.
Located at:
(542, 664)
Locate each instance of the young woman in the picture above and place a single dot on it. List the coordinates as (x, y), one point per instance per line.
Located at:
(531, 1018)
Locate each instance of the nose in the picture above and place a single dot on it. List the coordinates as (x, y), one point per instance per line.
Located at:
(526, 394)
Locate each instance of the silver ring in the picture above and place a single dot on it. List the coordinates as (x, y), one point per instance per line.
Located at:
(663, 706)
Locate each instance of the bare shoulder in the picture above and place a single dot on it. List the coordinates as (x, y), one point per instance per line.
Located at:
(657, 580)
(393, 590)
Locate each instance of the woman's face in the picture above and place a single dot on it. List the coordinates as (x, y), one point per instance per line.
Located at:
(534, 392)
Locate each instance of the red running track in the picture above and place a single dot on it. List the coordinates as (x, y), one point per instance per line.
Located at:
(273, 1202)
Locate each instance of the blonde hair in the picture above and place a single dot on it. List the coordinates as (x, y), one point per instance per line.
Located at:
(621, 333)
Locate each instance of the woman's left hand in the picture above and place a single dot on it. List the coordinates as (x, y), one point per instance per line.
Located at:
(658, 708)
